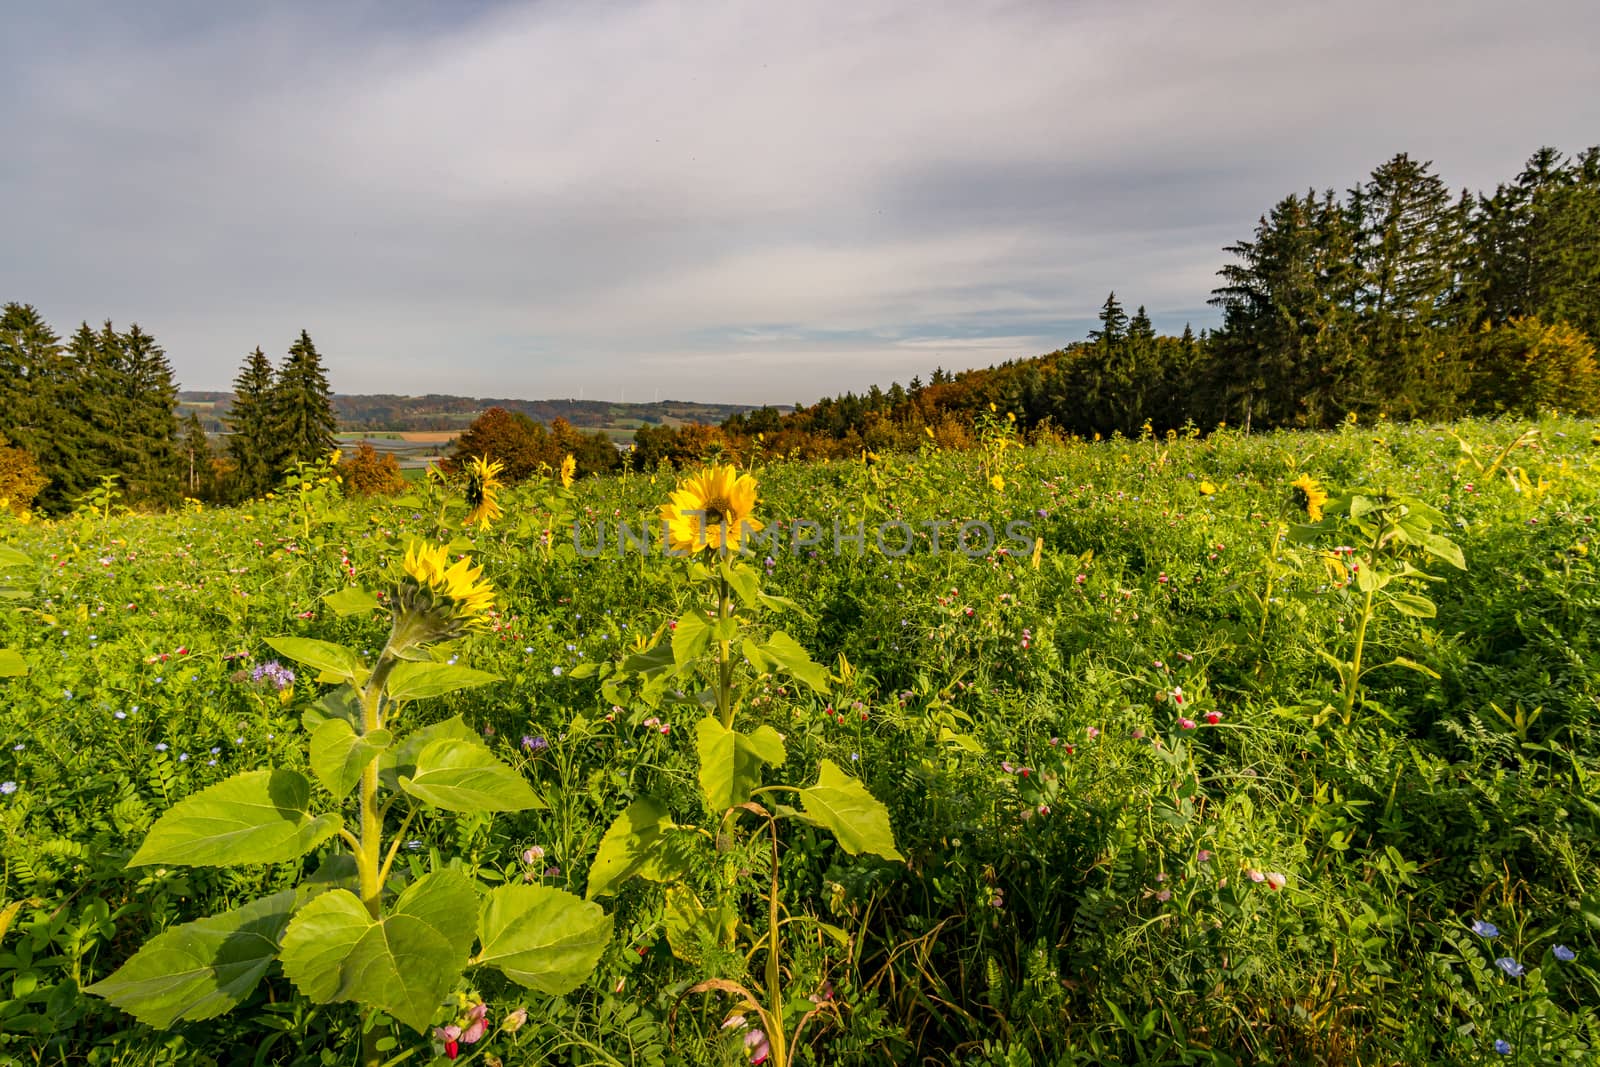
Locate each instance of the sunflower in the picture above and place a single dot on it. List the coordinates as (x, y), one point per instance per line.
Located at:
(483, 481)
(711, 509)
(1309, 495)
(441, 599)
(997, 483)
(569, 467)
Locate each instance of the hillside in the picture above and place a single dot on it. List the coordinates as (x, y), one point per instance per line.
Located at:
(387, 411)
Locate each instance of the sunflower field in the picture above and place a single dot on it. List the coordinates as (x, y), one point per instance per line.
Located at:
(1199, 750)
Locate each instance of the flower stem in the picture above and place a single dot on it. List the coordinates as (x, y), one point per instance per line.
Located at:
(724, 658)
(775, 1039)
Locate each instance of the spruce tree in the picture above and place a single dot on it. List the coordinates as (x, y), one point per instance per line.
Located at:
(249, 419)
(96, 396)
(302, 419)
(1409, 255)
(36, 411)
(150, 443)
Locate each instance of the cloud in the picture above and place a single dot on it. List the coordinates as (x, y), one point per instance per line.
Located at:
(728, 202)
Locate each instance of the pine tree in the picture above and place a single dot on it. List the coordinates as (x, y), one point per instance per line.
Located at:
(96, 395)
(1537, 243)
(302, 420)
(36, 412)
(1101, 380)
(1410, 251)
(150, 443)
(249, 442)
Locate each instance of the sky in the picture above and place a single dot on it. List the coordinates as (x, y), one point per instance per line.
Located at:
(738, 202)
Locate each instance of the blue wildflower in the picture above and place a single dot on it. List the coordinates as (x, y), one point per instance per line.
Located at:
(1485, 929)
(1564, 954)
(7, 788)
(534, 744)
(1502, 1046)
(1512, 968)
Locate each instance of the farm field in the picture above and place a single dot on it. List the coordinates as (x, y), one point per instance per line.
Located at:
(1227, 750)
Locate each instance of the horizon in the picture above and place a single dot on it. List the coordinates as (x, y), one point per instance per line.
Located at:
(540, 200)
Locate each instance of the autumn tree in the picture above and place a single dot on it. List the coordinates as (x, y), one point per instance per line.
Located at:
(369, 473)
(20, 479)
(509, 437)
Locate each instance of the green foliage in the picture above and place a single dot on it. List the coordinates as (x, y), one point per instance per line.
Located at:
(300, 419)
(250, 443)
(1080, 883)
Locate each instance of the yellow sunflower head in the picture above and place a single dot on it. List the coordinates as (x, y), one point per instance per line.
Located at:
(1207, 488)
(569, 467)
(711, 509)
(437, 599)
(997, 483)
(1309, 495)
(483, 483)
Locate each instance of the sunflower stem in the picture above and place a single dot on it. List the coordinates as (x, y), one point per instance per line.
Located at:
(724, 657)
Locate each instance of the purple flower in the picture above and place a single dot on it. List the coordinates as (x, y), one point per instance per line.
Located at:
(274, 674)
(1502, 1046)
(1488, 931)
(1512, 968)
(534, 744)
(1564, 954)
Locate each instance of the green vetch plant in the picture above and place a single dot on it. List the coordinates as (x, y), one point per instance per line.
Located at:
(353, 932)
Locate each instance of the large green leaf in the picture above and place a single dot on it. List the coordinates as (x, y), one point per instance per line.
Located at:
(786, 652)
(1419, 607)
(339, 754)
(652, 662)
(12, 665)
(200, 969)
(742, 580)
(543, 937)
(11, 557)
(402, 758)
(691, 637)
(731, 762)
(415, 681)
(351, 601)
(404, 963)
(465, 776)
(636, 844)
(323, 655)
(256, 817)
(856, 817)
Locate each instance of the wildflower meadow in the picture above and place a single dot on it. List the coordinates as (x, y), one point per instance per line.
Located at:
(1198, 749)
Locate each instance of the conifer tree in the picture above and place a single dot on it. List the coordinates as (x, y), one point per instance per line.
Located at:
(250, 443)
(150, 443)
(1409, 255)
(36, 412)
(302, 421)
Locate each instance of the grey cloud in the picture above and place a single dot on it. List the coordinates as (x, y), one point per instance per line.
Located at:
(741, 202)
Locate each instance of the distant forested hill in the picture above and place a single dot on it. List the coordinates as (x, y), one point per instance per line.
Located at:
(437, 412)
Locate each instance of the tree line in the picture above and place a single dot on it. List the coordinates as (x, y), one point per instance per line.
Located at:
(103, 404)
(1397, 299)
